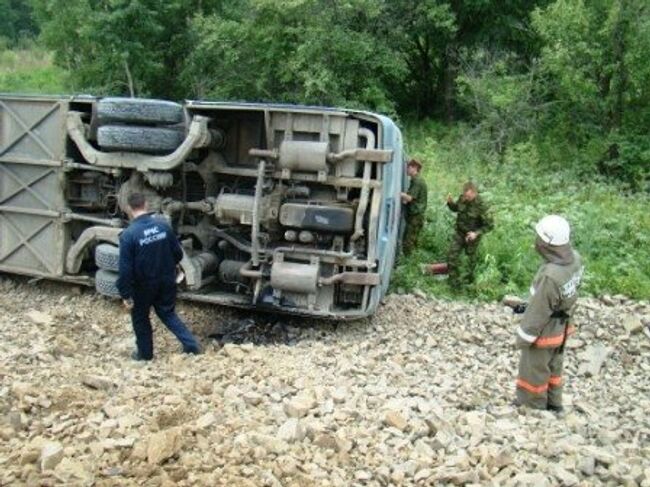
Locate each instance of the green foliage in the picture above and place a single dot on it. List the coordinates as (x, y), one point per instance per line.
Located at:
(595, 64)
(628, 159)
(16, 22)
(300, 52)
(611, 229)
(503, 102)
(119, 47)
(397, 56)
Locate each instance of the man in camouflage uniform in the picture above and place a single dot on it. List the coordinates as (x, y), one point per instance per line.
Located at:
(415, 201)
(545, 325)
(472, 222)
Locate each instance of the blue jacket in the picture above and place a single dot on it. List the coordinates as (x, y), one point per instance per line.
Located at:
(149, 252)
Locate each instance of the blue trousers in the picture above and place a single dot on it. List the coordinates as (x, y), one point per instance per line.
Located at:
(162, 296)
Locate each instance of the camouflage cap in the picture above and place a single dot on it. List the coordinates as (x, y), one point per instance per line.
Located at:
(416, 163)
(470, 185)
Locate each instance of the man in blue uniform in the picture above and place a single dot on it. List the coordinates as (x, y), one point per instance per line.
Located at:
(149, 253)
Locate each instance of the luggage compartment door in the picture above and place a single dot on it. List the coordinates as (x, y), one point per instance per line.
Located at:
(32, 199)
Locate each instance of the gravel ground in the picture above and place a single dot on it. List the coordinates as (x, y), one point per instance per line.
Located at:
(419, 395)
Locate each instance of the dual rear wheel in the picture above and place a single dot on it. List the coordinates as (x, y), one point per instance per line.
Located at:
(107, 259)
(139, 125)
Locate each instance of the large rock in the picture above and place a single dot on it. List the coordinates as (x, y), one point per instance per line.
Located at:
(292, 431)
(395, 420)
(287, 465)
(128, 421)
(252, 398)
(600, 455)
(362, 475)
(164, 445)
(205, 421)
(51, 455)
(64, 346)
(423, 450)
(607, 300)
(442, 439)
(565, 478)
(511, 301)
(632, 324)
(235, 352)
(531, 480)
(73, 473)
(593, 359)
(32, 451)
(327, 441)
(22, 389)
(39, 318)
(299, 406)
(97, 382)
(269, 443)
(339, 394)
(453, 476)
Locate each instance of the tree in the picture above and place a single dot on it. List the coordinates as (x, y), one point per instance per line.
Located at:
(127, 47)
(304, 51)
(594, 56)
(16, 21)
(433, 35)
(501, 97)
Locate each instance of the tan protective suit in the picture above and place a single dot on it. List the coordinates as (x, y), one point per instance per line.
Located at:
(545, 326)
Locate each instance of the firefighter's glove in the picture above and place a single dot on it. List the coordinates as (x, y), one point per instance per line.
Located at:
(519, 309)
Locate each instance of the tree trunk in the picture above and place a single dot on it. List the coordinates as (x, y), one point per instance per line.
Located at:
(448, 73)
(425, 104)
(129, 79)
(621, 75)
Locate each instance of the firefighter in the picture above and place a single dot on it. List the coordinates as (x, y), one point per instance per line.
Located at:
(149, 253)
(472, 222)
(415, 201)
(545, 325)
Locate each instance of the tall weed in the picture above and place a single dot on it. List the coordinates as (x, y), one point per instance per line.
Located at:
(30, 70)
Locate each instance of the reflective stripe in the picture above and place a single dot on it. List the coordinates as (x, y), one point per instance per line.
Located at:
(525, 336)
(549, 342)
(531, 388)
(553, 340)
(555, 381)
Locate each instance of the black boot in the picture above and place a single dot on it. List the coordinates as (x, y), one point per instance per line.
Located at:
(136, 356)
(194, 351)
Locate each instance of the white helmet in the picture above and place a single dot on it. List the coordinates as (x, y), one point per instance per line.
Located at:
(553, 230)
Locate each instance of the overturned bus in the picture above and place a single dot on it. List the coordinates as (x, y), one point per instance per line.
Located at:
(289, 208)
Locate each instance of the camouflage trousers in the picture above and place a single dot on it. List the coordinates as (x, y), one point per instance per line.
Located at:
(458, 246)
(414, 224)
(539, 381)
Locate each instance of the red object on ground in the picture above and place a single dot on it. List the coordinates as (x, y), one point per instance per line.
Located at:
(437, 268)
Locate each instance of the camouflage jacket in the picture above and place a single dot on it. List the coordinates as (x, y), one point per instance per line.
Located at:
(473, 216)
(418, 191)
(553, 296)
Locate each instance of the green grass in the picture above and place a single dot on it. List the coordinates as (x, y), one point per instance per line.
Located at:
(31, 71)
(611, 228)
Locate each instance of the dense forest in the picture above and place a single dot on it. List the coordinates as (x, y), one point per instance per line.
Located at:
(533, 98)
